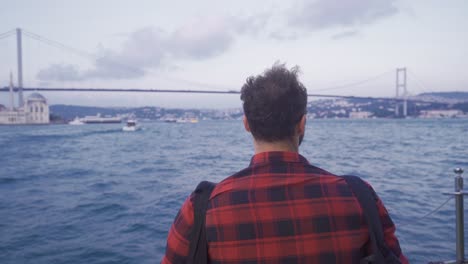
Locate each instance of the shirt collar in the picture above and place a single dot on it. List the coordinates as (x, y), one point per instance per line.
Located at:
(277, 156)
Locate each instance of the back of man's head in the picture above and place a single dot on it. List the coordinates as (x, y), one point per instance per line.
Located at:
(274, 103)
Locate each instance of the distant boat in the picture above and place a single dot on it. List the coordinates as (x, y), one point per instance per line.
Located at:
(76, 122)
(192, 120)
(131, 126)
(169, 120)
(98, 119)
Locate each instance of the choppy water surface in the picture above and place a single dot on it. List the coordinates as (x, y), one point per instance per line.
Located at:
(94, 194)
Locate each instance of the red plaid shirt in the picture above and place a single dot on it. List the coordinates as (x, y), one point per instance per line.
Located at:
(280, 209)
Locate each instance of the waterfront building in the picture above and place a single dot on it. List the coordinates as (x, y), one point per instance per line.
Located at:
(360, 115)
(441, 113)
(34, 111)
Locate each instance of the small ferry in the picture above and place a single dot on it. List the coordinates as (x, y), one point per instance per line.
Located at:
(131, 126)
(76, 122)
(98, 119)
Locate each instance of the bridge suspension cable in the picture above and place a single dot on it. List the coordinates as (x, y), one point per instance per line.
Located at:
(357, 83)
(59, 45)
(7, 34)
(418, 83)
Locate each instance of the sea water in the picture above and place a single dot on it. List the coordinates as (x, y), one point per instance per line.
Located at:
(95, 194)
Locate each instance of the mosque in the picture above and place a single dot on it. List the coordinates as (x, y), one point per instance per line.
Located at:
(34, 111)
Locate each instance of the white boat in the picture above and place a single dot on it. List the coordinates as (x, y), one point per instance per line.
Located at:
(131, 126)
(76, 122)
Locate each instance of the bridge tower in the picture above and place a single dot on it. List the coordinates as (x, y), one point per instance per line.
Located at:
(19, 53)
(400, 82)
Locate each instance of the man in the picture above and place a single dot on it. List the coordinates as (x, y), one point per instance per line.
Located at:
(280, 209)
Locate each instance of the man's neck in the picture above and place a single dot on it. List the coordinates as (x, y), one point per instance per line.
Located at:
(285, 145)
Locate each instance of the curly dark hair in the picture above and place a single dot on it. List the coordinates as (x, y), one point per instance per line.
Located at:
(274, 103)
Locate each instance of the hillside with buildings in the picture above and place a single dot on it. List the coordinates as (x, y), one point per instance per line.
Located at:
(64, 113)
(369, 108)
(35, 109)
(447, 105)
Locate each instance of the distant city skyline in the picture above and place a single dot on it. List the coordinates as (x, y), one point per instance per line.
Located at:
(217, 45)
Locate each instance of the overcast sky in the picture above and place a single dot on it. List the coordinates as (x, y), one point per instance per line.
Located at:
(217, 44)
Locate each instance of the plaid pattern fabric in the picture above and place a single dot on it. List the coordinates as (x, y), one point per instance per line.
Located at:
(280, 209)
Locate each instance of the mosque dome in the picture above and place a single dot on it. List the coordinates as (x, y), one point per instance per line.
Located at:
(36, 97)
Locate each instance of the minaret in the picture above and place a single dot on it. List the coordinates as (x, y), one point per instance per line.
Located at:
(12, 99)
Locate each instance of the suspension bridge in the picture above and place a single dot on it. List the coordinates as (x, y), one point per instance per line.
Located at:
(400, 100)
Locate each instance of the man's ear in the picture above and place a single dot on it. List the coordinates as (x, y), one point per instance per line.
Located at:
(301, 125)
(246, 124)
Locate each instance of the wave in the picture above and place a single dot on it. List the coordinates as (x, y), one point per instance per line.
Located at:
(8, 180)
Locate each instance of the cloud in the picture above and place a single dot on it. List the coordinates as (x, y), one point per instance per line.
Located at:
(283, 35)
(113, 68)
(143, 48)
(345, 34)
(201, 39)
(60, 72)
(323, 14)
(154, 48)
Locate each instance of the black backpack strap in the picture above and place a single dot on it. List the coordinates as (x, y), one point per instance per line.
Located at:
(198, 245)
(367, 199)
